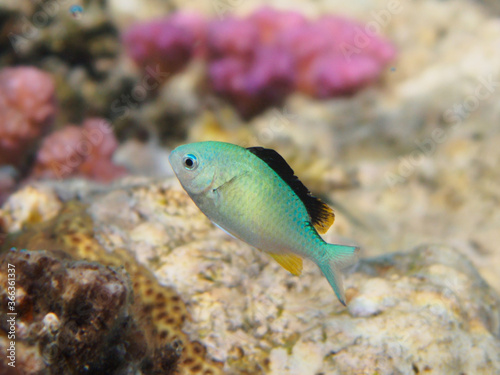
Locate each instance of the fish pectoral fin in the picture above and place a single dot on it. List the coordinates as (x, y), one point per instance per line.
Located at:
(292, 263)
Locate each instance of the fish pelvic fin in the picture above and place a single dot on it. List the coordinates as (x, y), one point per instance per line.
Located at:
(336, 258)
(291, 262)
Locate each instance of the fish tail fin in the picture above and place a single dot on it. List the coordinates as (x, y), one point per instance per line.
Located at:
(337, 257)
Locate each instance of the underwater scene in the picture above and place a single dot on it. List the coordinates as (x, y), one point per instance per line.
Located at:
(249, 187)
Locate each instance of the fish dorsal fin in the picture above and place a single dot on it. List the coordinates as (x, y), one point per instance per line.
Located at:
(292, 263)
(321, 215)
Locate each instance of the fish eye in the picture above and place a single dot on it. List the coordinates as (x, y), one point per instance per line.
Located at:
(190, 162)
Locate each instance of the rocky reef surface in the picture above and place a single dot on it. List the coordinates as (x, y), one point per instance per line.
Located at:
(156, 313)
(427, 310)
(76, 317)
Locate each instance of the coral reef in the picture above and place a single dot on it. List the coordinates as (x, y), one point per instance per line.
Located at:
(27, 109)
(80, 315)
(407, 312)
(372, 155)
(81, 52)
(255, 62)
(335, 56)
(69, 228)
(79, 151)
(166, 43)
(27, 206)
(417, 162)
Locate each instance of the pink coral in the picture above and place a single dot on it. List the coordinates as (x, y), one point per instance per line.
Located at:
(169, 43)
(273, 24)
(328, 57)
(255, 62)
(79, 151)
(232, 37)
(27, 109)
(194, 24)
(254, 85)
(336, 56)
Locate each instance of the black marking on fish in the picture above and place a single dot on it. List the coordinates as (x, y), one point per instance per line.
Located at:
(320, 213)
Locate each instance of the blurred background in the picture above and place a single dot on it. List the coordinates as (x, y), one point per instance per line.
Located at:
(388, 110)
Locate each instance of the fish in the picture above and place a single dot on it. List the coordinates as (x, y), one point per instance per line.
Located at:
(254, 195)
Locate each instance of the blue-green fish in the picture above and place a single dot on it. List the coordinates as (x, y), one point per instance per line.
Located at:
(253, 194)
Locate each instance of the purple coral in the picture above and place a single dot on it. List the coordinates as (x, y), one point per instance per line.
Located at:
(255, 62)
(254, 86)
(273, 24)
(169, 43)
(324, 58)
(27, 109)
(336, 56)
(232, 37)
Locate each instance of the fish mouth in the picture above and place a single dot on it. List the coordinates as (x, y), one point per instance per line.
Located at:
(173, 159)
